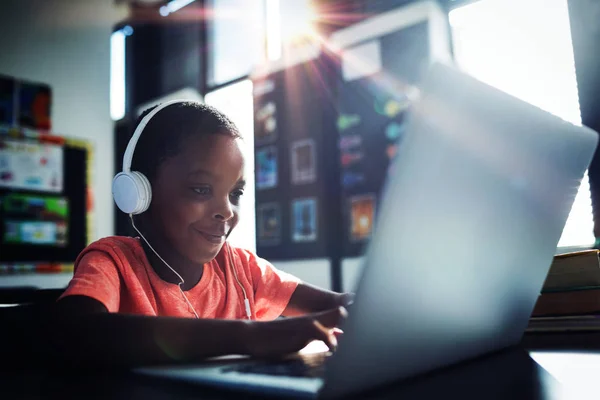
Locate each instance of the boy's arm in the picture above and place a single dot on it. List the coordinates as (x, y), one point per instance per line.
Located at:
(310, 299)
(83, 332)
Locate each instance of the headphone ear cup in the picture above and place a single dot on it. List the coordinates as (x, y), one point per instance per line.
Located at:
(132, 192)
(144, 190)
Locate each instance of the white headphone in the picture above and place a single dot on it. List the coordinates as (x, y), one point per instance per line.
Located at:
(131, 189)
(132, 193)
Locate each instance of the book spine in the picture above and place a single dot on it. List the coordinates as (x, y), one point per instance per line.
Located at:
(568, 303)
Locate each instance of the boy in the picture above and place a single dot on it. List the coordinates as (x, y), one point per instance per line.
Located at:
(180, 291)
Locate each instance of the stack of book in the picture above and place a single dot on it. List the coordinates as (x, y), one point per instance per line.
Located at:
(570, 298)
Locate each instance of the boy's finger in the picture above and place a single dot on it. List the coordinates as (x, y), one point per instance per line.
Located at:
(347, 299)
(326, 335)
(331, 318)
(337, 332)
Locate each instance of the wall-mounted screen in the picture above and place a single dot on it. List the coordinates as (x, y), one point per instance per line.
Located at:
(35, 220)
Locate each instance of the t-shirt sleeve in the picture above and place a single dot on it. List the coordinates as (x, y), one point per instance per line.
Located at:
(96, 276)
(272, 288)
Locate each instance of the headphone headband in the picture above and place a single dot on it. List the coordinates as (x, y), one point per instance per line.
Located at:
(128, 156)
(131, 190)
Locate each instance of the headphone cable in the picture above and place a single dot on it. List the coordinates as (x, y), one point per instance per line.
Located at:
(167, 264)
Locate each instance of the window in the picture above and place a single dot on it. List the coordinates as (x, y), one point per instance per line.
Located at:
(236, 38)
(117, 72)
(287, 22)
(236, 102)
(524, 48)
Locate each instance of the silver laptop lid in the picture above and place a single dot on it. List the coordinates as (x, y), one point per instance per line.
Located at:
(473, 211)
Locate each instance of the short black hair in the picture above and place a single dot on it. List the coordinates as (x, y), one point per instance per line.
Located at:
(162, 137)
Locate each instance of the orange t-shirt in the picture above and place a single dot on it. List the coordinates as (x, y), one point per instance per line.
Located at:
(116, 272)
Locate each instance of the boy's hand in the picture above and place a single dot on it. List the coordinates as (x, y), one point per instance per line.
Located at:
(346, 299)
(309, 299)
(289, 335)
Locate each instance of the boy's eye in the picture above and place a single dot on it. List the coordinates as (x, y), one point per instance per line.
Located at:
(237, 193)
(204, 191)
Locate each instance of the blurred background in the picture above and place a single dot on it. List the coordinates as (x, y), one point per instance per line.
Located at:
(319, 90)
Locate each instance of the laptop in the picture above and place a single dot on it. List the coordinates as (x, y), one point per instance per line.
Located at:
(469, 222)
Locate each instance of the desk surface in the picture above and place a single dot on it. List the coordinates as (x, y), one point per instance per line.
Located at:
(509, 374)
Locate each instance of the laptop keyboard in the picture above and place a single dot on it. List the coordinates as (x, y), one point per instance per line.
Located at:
(306, 365)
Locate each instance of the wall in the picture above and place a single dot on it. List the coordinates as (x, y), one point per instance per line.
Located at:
(66, 44)
(314, 271)
(318, 272)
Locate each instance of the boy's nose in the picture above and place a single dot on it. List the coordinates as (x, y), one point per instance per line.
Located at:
(224, 211)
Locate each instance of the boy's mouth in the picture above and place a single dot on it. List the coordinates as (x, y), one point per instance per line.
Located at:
(213, 238)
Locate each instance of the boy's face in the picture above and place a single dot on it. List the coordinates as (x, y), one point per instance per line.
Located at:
(196, 195)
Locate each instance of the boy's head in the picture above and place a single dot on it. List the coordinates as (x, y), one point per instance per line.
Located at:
(192, 157)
